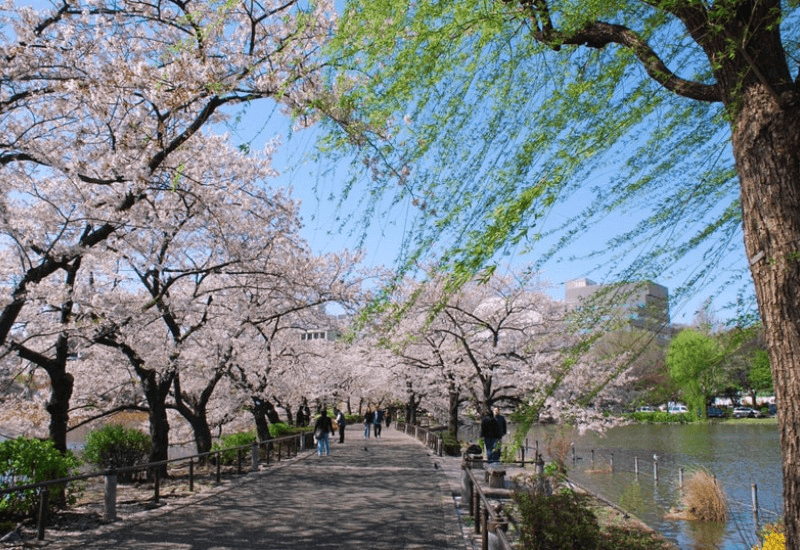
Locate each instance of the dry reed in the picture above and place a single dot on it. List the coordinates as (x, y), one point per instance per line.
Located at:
(704, 498)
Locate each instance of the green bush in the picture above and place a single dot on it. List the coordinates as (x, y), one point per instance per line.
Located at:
(231, 442)
(116, 446)
(663, 416)
(25, 461)
(281, 429)
(561, 521)
(451, 445)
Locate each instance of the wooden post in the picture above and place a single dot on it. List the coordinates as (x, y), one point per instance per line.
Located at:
(191, 475)
(592, 458)
(110, 496)
(477, 507)
(157, 485)
(44, 495)
(254, 457)
(612, 463)
(485, 532)
(636, 465)
(680, 478)
(573, 452)
(655, 469)
(755, 504)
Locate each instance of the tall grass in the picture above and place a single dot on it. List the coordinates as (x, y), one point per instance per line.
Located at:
(704, 498)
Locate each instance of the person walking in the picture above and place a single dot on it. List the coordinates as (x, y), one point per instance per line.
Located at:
(369, 416)
(490, 432)
(322, 428)
(377, 422)
(503, 430)
(340, 419)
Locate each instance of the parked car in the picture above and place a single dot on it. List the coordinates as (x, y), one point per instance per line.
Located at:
(745, 412)
(645, 409)
(678, 409)
(715, 412)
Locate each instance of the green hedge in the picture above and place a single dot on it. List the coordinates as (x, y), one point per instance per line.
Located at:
(662, 417)
(26, 461)
(117, 446)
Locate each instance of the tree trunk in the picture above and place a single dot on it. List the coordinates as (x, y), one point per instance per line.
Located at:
(156, 395)
(452, 417)
(259, 411)
(766, 145)
(61, 387)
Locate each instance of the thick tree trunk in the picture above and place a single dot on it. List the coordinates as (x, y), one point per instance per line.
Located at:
(766, 143)
(156, 395)
(452, 417)
(61, 387)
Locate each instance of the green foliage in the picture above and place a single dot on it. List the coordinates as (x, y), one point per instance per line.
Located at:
(281, 429)
(25, 461)
(452, 447)
(562, 521)
(694, 361)
(229, 444)
(656, 417)
(117, 446)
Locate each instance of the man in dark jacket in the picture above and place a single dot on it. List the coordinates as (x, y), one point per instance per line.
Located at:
(490, 432)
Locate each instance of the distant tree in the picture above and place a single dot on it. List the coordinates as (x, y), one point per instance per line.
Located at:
(694, 361)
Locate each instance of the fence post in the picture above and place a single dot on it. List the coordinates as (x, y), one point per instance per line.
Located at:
(157, 486)
(592, 458)
(636, 465)
(254, 456)
(755, 504)
(44, 495)
(485, 533)
(110, 496)
(476, 499)
(655, 469)
(680, 478)
(191, 475)
(612, 463)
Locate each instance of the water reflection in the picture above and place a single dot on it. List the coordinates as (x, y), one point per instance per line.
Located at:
(738, 454)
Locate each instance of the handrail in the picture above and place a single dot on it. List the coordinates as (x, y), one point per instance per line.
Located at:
(432, 440)
(481, 510)
(478, 502)
(299, 444)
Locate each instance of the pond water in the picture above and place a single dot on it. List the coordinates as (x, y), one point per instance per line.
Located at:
(738, 454)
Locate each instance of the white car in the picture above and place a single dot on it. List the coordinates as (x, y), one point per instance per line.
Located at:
(678, 409)
(745, 412)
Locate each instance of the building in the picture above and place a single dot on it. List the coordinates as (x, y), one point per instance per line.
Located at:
(642, 304)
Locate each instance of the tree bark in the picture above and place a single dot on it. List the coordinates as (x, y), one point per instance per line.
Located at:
(766, 144)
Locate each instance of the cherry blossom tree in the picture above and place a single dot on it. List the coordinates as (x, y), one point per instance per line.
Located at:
(96, 99)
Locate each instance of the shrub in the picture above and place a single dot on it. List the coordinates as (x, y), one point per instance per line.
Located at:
(773, 537)
(704, 498)
(231, 442)
(561, 521)
(281, 429)
(26, 461)
(663, 416)
(558, 447)
(116, 446)
(621, 538)
(452, 447)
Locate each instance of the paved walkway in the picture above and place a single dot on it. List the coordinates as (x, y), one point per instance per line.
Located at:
(388, 493)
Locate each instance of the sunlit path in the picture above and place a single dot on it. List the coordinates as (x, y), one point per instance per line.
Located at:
(376, 494)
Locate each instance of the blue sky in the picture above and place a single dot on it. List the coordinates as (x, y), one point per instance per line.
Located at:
(313, 183)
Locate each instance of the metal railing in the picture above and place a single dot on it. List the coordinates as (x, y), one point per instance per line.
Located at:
(488, 522)
(432, 440)
(282, 447)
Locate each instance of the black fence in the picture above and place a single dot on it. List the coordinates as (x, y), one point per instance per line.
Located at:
(273, 449)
